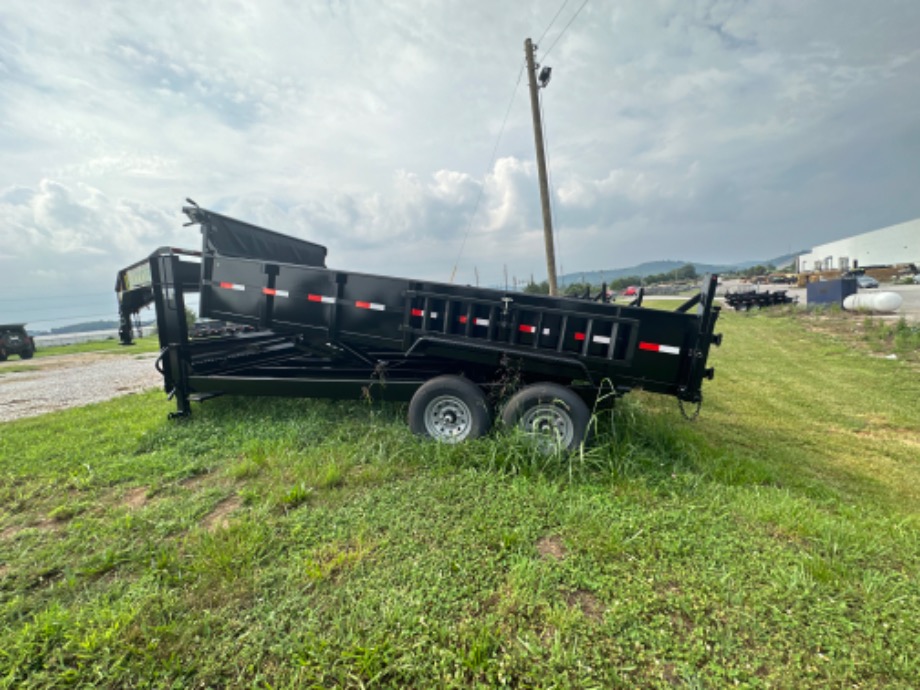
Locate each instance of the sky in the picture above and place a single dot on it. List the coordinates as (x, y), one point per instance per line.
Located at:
(399, 134)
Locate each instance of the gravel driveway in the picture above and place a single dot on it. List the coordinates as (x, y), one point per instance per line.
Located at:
(54, 383)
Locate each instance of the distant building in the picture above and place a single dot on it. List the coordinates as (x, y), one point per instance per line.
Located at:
(896, 244)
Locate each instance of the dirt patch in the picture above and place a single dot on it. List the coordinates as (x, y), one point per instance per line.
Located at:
(135, 498)
(48, 525)
(195, 481)
(587, 602)
(4, 570)
(551, 548)
(9, 532)
(219, 518)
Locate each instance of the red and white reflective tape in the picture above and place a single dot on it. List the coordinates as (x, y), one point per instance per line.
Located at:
(370, 305)
(663, 349)
(233, 286)
(476, 321)
(420, 312)
(275, 293)
(525, 328)
(601, 339)
(321, 298)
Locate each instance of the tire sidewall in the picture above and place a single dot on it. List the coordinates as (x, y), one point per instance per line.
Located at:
(452, 386)
(562, 398)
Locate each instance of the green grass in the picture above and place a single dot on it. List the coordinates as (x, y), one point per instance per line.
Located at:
(112, 346)
(295, 543)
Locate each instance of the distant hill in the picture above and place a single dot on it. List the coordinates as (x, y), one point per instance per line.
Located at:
(656, 267)
(85, 327)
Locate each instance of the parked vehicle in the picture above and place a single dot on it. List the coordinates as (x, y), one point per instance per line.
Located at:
(15, 341)
(459, 355)
(631, 291)
(866, 282)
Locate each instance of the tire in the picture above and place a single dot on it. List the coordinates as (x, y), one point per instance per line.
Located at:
(554, 415)
(26, 354)
(450, 409)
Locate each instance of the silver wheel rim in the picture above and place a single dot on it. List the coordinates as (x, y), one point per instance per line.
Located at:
(448, 419)
(550, 425)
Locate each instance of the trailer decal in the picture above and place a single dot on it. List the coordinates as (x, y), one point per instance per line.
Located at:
(525, 328)
(275, 293)
(233, 286)
(476, 321)
(321, 298)
(370, 305)
(663, 349)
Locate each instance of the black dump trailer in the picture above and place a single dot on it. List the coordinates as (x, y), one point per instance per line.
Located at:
(456, 353)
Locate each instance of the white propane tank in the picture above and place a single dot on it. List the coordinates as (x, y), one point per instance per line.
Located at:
(875, 301)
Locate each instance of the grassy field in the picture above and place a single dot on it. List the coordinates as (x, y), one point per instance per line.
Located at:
(141, 345)
(276, 543)
(46, 355)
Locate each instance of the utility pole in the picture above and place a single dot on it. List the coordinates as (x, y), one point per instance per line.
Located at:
(541, 167)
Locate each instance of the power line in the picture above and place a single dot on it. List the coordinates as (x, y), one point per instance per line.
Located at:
(553, 45)
(466, 235)
(552, 22)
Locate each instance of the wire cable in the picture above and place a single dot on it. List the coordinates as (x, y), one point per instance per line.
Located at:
(482, 187)
(550, 26)
(553, 44)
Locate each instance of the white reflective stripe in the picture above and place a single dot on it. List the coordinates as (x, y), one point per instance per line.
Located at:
(433, 315)
(602, 339)
(327, 300)
(481, 322)
(282, 293)
(545, 331)
(377, 307)
(669, 349)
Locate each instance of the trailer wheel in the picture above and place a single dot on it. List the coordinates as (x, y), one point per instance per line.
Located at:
(555, 415)
(450, 409)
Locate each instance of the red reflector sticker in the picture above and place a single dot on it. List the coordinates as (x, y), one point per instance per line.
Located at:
(663, 349)
(417, 312)
(579, 336)
(370, 305)
(524, 328)
(463, 319)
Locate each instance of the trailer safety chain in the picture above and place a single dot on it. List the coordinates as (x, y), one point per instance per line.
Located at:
(696, 412)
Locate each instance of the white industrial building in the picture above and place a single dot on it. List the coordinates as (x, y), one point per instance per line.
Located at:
(896, 244)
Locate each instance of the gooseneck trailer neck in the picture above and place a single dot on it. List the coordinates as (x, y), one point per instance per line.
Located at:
(321, 332)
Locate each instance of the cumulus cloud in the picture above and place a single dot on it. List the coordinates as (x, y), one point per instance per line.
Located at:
(722, 130)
